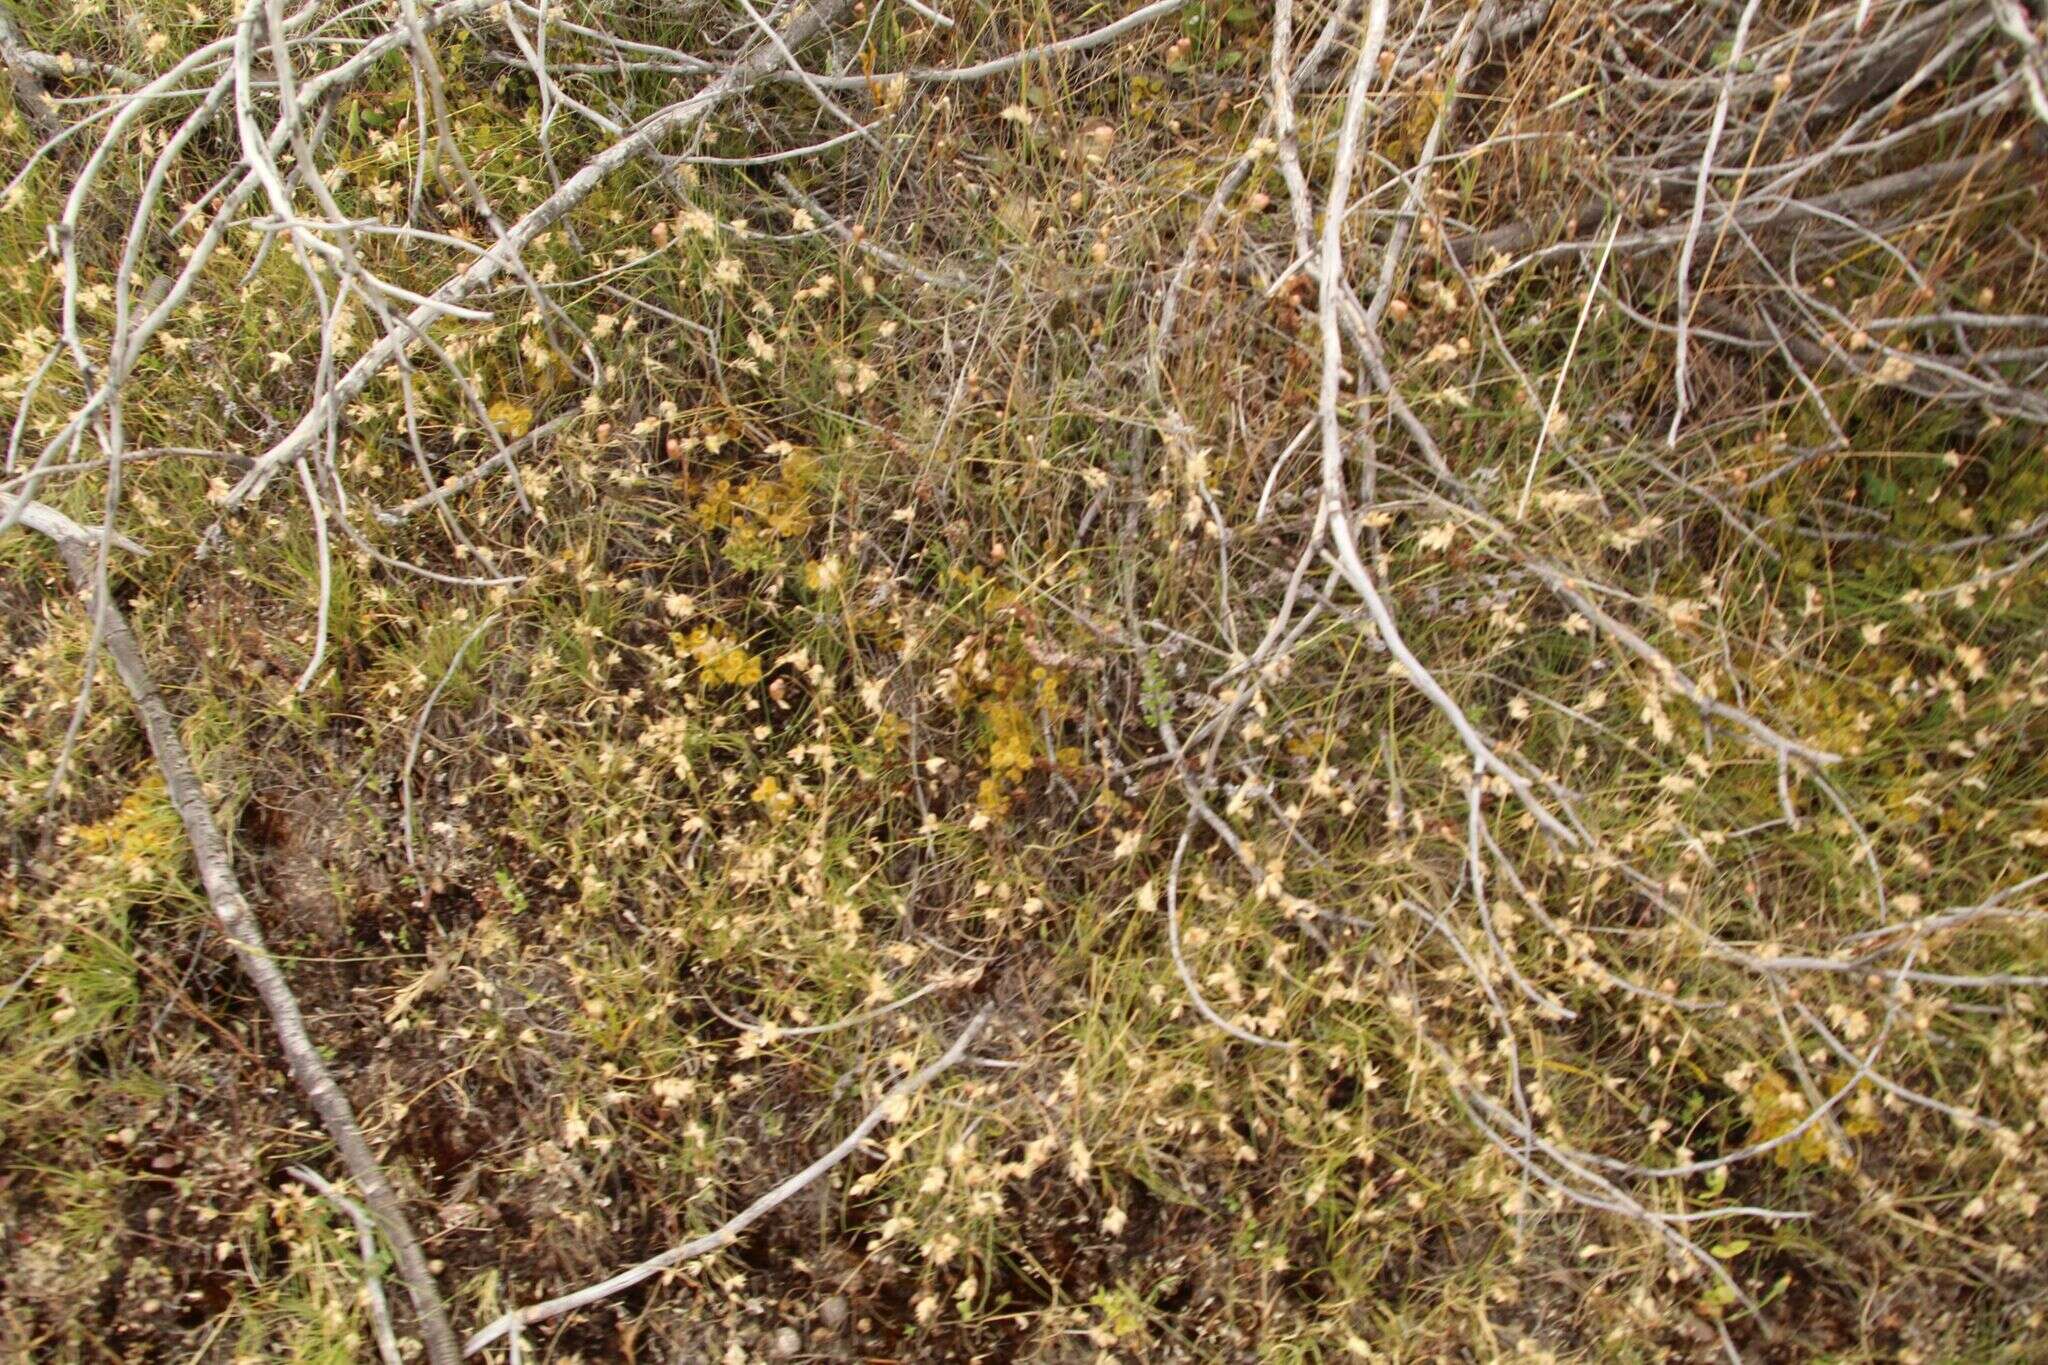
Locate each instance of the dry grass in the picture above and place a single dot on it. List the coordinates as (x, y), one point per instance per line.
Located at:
(880, 649)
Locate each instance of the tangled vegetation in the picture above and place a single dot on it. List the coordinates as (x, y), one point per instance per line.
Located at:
(1339, 681)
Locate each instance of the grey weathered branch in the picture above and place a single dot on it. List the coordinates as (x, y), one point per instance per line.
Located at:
(1527, 235)
(28, 86)
(374, 1301)
(729, 1232)
(238, 924)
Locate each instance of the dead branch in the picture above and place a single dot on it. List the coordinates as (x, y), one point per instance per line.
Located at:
(245, 936)
(892, 1107)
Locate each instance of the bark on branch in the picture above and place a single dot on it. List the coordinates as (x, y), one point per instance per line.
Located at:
(238, 922)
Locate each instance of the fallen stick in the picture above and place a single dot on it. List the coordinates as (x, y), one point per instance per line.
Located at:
(729, 1232)
(28, 88)
(238, 922)
(58, 527)
(366, 1248)
(1520, 238)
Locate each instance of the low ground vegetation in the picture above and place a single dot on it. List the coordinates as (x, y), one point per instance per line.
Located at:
(1421, 624)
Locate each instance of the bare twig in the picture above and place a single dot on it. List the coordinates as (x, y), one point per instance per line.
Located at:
(892, 1107)
(1699, 209)
(28, 85)
(378, 1306)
